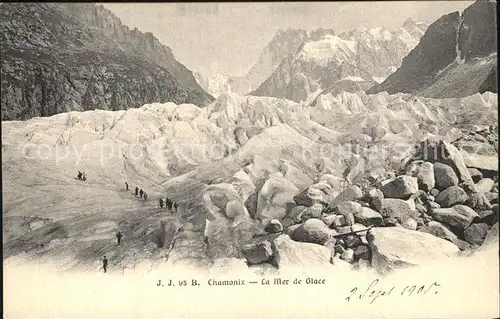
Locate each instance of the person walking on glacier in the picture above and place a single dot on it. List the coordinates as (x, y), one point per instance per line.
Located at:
(161, 202)
(145, 196)
(119, 238)
(126, 186)
(140, 193)
(105, 264)
(136, 191)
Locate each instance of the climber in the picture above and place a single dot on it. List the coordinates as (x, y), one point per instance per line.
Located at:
(79, 175)
(168, 203)
(84, 177)
(140, 193)
(161, 202)
(105, 264)
(119, 237)
(145, 196)
(175, 207)
(126, 186)
(136, 191)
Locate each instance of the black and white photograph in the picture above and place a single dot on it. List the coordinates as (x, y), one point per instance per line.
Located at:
(250, 159)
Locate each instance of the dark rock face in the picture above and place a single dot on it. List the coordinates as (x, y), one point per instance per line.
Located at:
(456, 57)
(478, 36)
(76, 57)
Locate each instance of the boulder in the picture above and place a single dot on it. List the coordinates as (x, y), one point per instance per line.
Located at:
(488, 217)
(360, 229)
(396, 209)
(425, 176)
(475, 174)
(344, 230)
(303, 255)
(397, 247)
(458, 217)
(434, 192)
(374, 198)
(452, 196)
(421, 208)
(274, 196)
(492, 197)
(443, 152)
(291, 229)
(348, 209)
(313, 231)
(294, 216)
(438, 230)
(352, 193)
(320, 193)
(368, 217)
(362, 252)
(257, 253)
(412, 168)
(274, 226)
(409, 223)
(431, 205)
(444, 176)
(348, 255)
(235, 208)
(312, 212)
(476, 233)
(485, 185)
(402, 187)
(478, 202)
(352, 240)
(492, 236)
(332, 221)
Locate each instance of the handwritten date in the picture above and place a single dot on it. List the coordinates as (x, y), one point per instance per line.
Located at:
(373, 292)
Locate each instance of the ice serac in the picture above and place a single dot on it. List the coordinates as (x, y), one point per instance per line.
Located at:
(351, 61)
(456, 57)
(214, 84)
(75, 57)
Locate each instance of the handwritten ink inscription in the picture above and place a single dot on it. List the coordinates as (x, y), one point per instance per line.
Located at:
(373, 292)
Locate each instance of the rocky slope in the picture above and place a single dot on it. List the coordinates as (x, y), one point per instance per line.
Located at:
(351, 61)
(456, 57)
(258, 181)
(64, 57)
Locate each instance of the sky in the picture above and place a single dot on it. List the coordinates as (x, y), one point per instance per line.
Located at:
(227, 38)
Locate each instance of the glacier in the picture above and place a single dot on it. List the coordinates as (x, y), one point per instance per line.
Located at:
(237, 162)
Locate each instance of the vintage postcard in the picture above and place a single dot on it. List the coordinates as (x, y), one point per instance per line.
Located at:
(250, 159)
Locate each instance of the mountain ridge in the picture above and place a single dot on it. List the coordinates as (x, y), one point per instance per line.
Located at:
(446, 61)
(54, 62)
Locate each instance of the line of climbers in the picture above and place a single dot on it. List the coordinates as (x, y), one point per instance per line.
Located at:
(140, 192)
(168, 204)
